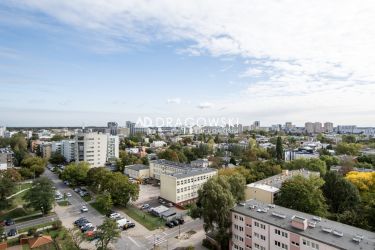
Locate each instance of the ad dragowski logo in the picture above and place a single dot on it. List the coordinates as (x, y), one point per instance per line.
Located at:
(188, 122)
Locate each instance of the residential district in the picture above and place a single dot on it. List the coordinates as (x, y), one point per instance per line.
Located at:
(198, 187)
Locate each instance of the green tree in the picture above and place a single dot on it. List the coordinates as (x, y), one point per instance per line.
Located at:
(344, 148)
(104, 201)
(279, 149)
(308, 164)
(76, 173)
(57, 158)
(96, 176)
(303, 194)
(107, 232)
(41, 195)
(57, 138)
(76, 239)
(214, 203)
(237, 186)
(341, 195)
(8, 178)
(349, 138)
(120, 188)
(330, 160)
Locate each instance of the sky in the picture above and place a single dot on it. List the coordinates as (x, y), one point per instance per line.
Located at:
(70, 63)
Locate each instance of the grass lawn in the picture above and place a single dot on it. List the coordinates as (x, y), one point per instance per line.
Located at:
(97, 208)
(63, 203)
(22, 186)
(147, 220)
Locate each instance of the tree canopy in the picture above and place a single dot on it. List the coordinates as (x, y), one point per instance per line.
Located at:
(76, 173)
(41, 195)
(303, 194)
(107, 232)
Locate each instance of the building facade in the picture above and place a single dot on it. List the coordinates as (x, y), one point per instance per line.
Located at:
(69, 150)
(182, 188)
(261, 226)
(137, 171)
(6, 158)
(113, 147)
(92, 148)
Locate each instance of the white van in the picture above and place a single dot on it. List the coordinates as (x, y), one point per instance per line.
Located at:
(121, 223)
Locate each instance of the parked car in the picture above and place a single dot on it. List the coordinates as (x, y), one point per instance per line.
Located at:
(66, 183)
(175, 222)
(145, 206)
(114, 215)
(169, 224)
(128, 225)
(169, 204)
(89, 224)
(12, 232)
(87, 228)
(84, 209)
(68, 194)
(181, 221)
(77, 190)
(9, 222)
(80, 220)
(82, 223)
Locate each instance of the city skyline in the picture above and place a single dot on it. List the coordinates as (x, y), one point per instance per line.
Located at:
(64, 64)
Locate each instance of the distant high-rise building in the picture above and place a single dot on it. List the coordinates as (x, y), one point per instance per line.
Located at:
(318, 127)
(328, 127)
(288, 125)
(309, 127)
(2, 131)
(112, 126)
(256, 124)
(131, 126)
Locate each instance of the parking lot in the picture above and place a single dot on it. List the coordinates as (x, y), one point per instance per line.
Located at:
(147, 193)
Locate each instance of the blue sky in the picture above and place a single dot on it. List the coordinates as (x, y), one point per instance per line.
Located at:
(69, 63)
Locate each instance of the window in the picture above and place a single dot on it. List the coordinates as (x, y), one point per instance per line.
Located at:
(241, 218)
(262, 237)
(284, 234)
(256, 224)
(235, 216)
(295, 243)
(248, 236)
(248, 225)
(262, 226)
(241, 229)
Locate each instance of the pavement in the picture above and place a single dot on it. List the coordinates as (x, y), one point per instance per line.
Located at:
(138, 238)
(32, 223)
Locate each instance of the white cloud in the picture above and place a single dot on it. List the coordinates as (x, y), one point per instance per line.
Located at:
(174, 100)
(320, 50)
(205, 105)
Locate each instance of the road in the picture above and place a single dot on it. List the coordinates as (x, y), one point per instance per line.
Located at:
(32, 223)
(138, 238)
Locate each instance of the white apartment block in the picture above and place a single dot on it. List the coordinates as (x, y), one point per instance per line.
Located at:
(113, 147)
(92, 148)
(182, 188)
(69, 150)
(57, 146)
(328, 127)
(258, 226)
(2, 131)
(309, 127)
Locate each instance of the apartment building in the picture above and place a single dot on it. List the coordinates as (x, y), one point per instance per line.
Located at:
(266, 189)
(45, 149)
(2, 131)
(113, 147)
(6, 158)
(92, 148)
(69, 150)
(181, 188)
(309, 127)
(261, 226)
(57, 146)
(328, 127)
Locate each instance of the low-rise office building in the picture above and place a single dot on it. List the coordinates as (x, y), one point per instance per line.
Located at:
(261, 226)
(181, 188)
(137, 171)
(265, 190)
(158, 167)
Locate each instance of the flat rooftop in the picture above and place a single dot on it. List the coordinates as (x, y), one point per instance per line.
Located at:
(193, 172)
(281, 217)
(171, 164)
(137, 167)
(277, 180)
(263, 187)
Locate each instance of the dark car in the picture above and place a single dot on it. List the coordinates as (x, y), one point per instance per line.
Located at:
(175, 222)
(80, 220)
(8, 222)
(12, 232)
(83, 222)
(128, 225)
(181, 221)
(169, 224)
